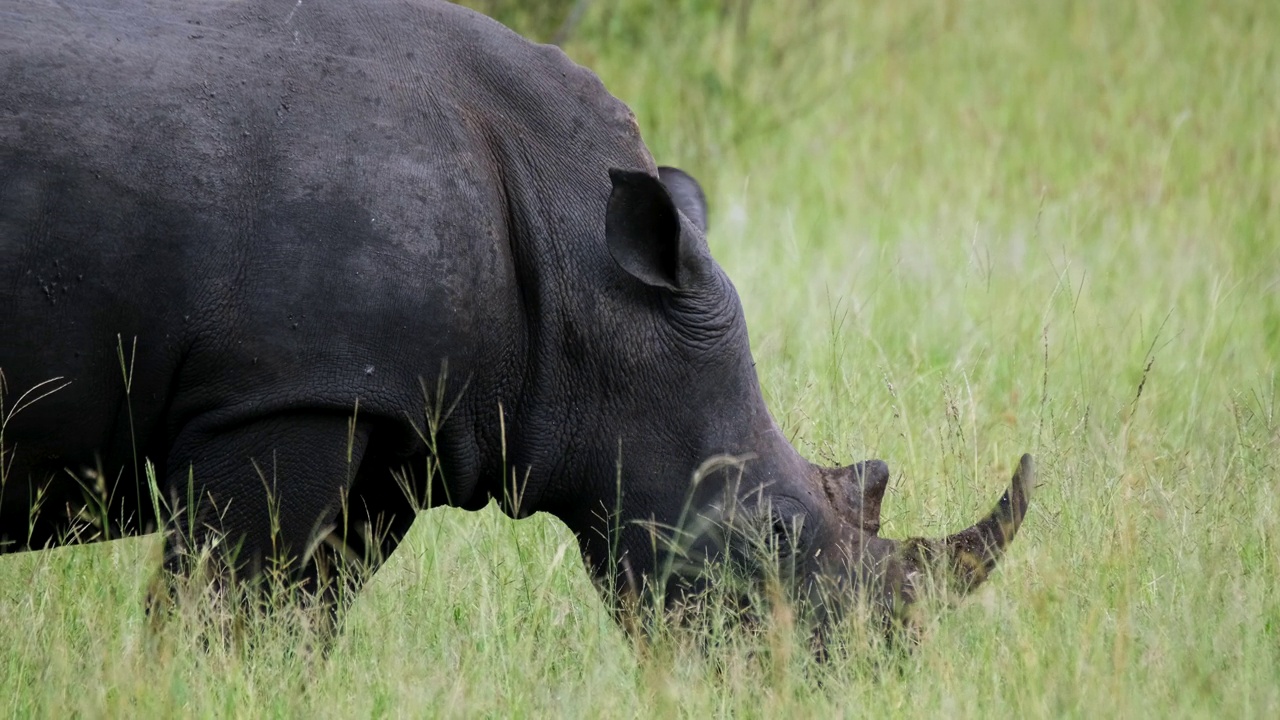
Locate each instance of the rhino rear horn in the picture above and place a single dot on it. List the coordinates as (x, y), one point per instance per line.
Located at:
(971, 554)
(869, 480)
(856, 492)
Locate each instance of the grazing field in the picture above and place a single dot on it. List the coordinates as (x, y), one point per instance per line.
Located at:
(960, 231)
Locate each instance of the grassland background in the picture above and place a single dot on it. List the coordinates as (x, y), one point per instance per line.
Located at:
(960, 231)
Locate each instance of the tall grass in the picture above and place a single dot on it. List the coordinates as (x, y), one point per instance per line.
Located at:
(960, 231)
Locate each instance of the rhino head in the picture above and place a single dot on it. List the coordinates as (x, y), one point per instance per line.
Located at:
(681, 466)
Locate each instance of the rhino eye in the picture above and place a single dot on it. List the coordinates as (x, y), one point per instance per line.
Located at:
(788, 535)
(783, 537)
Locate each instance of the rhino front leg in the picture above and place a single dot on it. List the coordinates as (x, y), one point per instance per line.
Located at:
(250, 507)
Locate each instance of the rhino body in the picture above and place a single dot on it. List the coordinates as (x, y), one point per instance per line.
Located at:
(325, 264)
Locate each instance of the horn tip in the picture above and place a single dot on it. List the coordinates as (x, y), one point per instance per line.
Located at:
(1024, 480)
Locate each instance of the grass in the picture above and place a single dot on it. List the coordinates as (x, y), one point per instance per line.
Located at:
(960, 231)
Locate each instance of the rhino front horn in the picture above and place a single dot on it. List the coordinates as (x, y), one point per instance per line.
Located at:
(968, 556)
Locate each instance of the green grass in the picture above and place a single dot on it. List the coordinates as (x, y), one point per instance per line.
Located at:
(960, 231)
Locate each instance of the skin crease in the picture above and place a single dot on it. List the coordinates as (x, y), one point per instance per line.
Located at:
(284, 251)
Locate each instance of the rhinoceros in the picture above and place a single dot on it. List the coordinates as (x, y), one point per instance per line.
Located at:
(323, 264)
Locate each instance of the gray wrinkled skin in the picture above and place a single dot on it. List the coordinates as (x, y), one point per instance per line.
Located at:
(261, 213)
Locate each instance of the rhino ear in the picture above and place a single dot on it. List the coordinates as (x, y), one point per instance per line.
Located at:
(642, 228)
(687, 194)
